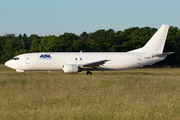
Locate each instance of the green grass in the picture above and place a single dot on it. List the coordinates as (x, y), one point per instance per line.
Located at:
(128, 94)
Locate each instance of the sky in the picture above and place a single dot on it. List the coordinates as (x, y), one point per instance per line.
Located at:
(55, 17)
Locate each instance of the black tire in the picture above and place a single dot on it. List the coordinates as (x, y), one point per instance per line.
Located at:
(89, 73)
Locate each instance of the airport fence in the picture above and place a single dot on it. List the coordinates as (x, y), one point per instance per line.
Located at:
(161, 66)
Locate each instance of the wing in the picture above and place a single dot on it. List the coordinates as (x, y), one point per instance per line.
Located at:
(93, 65)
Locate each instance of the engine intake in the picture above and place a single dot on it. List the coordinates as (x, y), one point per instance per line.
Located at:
(68, 68)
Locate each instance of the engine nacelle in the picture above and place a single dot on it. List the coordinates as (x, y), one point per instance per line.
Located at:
(68, 68)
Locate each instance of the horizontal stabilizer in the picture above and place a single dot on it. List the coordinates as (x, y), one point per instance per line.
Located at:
(163, 54)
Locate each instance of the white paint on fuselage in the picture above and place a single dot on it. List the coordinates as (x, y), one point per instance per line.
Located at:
(117, 61)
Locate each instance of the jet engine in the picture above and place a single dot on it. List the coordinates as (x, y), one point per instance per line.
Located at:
(68, 68)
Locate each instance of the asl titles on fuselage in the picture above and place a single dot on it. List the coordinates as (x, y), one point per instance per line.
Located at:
(45, 57)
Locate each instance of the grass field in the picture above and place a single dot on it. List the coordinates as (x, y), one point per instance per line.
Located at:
(128, 94)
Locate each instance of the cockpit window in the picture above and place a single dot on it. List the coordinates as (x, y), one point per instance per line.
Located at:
(15, 58)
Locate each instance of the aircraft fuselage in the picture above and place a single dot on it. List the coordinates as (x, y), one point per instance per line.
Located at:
(55, 61)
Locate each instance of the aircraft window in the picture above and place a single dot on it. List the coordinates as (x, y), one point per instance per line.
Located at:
(15, 58)
(75, 58)
(80, 58)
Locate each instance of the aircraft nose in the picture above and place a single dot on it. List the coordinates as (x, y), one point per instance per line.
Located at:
(7, 63)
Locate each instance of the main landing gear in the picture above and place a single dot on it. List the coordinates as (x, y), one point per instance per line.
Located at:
(89, 73)
(23, 74)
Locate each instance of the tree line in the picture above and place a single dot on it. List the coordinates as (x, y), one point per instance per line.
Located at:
(98, 41)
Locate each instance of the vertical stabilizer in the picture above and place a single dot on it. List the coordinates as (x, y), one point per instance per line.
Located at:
(156, 43)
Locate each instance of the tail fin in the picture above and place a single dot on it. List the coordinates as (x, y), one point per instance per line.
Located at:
(156, 43)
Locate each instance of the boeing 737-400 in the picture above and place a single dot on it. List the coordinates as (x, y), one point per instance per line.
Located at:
(74, 62)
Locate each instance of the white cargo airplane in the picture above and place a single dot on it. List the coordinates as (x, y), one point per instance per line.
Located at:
(70, 62)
